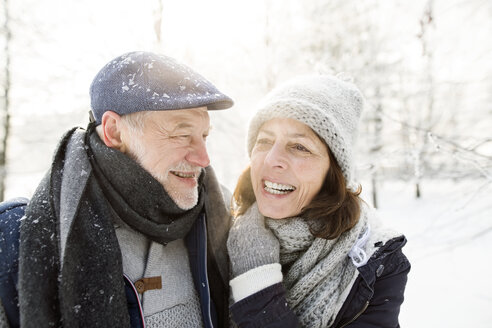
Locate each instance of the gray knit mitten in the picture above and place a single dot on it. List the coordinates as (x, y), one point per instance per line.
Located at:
(250, 243)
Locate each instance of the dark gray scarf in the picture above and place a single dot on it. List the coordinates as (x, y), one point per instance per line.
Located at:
(73, 277)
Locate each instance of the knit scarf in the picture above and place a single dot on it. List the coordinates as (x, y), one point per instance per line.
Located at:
(318, 273)
(71, 274)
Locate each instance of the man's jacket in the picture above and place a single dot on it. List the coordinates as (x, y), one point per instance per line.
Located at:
(11, 213)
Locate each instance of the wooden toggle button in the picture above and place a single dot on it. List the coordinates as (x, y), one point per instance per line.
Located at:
(144, 284)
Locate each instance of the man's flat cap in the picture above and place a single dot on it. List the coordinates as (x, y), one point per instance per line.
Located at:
(142, 81)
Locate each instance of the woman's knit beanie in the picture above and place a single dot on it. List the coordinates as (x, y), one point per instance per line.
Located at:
(330, 106)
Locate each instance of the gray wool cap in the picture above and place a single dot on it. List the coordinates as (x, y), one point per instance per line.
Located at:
(330, 106)
(145, 81)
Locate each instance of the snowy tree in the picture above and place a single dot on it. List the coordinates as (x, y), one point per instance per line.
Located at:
(5, 94)
(427, 120)
(157, 15)
(350, 39)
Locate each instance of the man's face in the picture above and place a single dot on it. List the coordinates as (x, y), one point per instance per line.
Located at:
(171, 147)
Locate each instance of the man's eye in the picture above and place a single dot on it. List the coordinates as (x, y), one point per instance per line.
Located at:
(181, 136)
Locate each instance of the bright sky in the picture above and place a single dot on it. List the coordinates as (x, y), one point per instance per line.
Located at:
(59, 45)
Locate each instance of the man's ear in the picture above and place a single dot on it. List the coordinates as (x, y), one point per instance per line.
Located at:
(111, 130)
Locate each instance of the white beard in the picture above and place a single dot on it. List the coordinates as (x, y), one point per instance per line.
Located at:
(185, 200)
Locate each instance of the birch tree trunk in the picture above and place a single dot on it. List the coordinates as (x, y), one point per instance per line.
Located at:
(5, 107)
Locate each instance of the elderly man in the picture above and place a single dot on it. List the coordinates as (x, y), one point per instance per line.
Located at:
(128, 227)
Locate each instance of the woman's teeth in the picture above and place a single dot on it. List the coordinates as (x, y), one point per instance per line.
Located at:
(278, 188)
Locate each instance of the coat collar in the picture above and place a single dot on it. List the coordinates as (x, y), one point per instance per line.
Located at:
(217, 202)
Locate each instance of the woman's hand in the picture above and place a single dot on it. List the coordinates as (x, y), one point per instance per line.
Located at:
(250, 243)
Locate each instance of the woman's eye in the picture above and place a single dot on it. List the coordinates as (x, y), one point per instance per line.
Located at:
(263, 142)
(301, 148)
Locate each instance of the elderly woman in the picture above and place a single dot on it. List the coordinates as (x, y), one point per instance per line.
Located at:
(305, 249)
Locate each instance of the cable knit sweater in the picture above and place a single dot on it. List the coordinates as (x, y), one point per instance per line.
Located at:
(177, 303)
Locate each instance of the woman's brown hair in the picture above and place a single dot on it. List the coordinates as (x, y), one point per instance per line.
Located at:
(335, 209)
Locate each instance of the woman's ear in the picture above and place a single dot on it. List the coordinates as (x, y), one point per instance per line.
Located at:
(111, 130)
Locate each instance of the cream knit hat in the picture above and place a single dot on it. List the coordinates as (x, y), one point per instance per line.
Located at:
(330, 106)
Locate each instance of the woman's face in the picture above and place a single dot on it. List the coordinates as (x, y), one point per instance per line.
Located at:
(288, 166)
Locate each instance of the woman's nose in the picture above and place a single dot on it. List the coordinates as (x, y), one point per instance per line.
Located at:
(276, 157)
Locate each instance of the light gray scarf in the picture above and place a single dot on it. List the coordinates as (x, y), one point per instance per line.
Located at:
(318, 273)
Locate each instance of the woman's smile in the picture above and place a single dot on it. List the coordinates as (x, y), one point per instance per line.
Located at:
(277, 188)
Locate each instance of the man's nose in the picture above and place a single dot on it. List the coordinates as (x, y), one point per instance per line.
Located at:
(198, 154)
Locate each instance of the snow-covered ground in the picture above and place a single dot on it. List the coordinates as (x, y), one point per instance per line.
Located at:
(449, 232)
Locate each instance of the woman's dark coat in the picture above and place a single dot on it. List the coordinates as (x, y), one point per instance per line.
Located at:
(373, 302)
